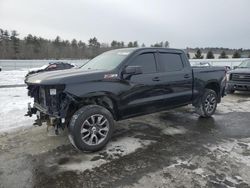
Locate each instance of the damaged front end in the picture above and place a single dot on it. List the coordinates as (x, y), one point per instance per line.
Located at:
(51, 105)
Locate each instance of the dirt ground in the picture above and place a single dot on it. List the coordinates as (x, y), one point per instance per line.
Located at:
(169, 149)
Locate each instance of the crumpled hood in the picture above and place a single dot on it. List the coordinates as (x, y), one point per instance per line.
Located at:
(241, 70)
(65, 77)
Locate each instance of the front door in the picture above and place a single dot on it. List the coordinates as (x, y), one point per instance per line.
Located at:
(143, 95)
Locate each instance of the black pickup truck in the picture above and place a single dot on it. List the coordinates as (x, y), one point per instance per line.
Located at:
(120, 84)
(239, 78)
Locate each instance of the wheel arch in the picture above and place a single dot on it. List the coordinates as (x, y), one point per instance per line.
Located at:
(106, 100)
(215, 86)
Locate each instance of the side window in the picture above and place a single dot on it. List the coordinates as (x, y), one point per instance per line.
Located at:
(170, 62)
(146, 61)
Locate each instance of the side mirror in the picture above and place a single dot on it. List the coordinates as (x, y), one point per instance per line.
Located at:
(235, 67)
(133, 70)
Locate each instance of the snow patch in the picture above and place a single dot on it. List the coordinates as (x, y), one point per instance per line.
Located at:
(232, 104)
(14, 77)
(114, 150)
(198, 171)
(233, 150)
(13, 107)
(174, 131)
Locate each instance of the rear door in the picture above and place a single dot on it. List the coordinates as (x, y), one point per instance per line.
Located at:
(175, 77)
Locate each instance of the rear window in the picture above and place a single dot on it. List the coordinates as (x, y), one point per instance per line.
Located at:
(170, 62)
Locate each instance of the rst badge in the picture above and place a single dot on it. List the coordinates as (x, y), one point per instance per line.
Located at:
(110, 76)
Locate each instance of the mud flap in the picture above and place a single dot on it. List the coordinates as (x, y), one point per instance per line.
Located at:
(72, 142)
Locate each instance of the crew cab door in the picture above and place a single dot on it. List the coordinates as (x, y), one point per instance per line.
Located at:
(175, 75)
(143, 93)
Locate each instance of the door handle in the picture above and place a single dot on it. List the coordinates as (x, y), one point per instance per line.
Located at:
(186, 76)
(156, 79)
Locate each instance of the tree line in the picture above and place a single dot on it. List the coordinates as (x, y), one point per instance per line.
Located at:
(33, 47)
(210, 54)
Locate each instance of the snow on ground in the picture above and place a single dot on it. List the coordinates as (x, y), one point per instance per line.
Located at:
(13, 106)
(232, 103)
(238, 150)
(114, 150)
(174, 131)
(14, 77)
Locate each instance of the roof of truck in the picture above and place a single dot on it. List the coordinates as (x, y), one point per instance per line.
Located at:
(148, 49)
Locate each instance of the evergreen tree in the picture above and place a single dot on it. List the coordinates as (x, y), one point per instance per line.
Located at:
(94, 47)
(36, 45)
(130, 44)
(135, 44)
(166, 44)
(57, 41)
(74, 44)
(223, 55)
(236, 54)
(210, 55)
(6, 44)
(15, 43)
(57, 47)
(143, 45)
(122, 44)
(81, 45)
(1, 43)
(114, 44)
(198, 54)
(156, 45)
(1, 34)
(93, 43)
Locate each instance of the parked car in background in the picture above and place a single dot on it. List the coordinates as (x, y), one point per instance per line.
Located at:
(200, 64)
(239, 78)
(53, 66)
(228, 68)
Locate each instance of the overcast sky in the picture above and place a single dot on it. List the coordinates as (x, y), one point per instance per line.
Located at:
(184, 23)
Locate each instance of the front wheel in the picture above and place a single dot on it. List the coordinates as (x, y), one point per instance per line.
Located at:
(91, 128)
(207, 104)
(231, 91)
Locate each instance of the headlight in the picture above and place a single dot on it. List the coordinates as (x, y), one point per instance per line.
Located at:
(52, 91)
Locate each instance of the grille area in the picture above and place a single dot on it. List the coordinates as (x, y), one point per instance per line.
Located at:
(240, 77)
(42, 96)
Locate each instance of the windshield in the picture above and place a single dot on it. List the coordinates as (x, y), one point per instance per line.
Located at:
(108, 60)
(245, 64)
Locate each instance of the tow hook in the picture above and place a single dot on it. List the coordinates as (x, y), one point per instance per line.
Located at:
(56, 123)
(30, 111)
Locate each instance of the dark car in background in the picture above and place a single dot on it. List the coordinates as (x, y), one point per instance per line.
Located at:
(52, 66)
(239, 78)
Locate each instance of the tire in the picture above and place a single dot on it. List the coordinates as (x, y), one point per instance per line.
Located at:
(91, 128)
(207, 104)
(231, 91)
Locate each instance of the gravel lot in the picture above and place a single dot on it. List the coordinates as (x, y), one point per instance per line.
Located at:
(169, 149)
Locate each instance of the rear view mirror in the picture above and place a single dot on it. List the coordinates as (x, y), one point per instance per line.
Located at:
(133, 70)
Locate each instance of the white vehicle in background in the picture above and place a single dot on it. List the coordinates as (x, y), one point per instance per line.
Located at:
(200, 64)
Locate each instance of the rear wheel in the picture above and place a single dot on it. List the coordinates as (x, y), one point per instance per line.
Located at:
(207, 104)
(91, 128)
